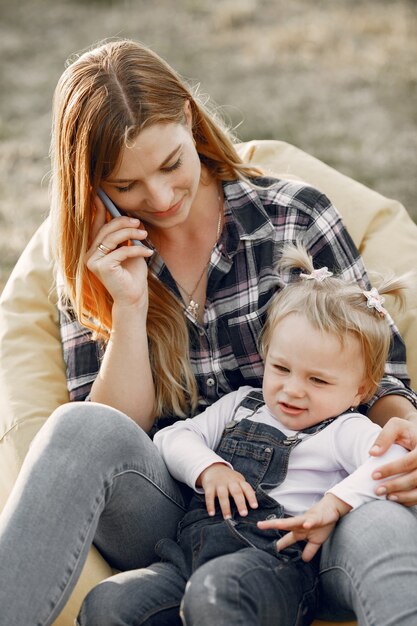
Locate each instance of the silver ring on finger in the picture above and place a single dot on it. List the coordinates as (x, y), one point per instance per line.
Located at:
(104, 249)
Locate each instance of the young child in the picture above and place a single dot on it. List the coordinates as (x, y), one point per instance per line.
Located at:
(277, 450)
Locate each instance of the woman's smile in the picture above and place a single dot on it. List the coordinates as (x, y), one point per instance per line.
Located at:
(169, 212)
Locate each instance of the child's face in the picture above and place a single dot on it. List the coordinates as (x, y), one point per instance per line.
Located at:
(309, 375)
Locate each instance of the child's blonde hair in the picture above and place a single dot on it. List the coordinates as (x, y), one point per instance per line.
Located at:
(336, 306)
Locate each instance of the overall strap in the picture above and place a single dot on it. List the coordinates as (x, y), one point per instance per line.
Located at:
(252, 401)
(312, 430)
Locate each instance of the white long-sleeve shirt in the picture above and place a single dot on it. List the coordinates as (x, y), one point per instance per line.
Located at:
(334, 460)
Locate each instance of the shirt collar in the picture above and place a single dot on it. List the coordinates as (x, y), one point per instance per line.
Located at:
(245, 216)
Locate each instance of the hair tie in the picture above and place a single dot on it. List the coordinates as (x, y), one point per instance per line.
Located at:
(375, 301)
(318, 275)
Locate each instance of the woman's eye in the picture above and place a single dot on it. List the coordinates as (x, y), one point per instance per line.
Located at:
(174, 166)
(124, 189)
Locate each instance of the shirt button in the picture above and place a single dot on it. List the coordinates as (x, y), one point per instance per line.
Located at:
(201, 332)
(210, 382)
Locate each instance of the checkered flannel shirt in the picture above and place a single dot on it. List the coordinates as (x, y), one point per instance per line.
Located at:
(242, 278)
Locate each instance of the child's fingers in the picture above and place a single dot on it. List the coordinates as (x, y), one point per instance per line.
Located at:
(242, 493)
(239, 498)
(223, 497)
(310, 551)
(250, 495)
(286, 541)
(283, 523)
(209, 496)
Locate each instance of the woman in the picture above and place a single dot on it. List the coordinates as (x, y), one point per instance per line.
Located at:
(175, 330)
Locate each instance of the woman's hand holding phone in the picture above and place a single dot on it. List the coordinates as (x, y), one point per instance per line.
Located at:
(123, 270)
(120, 267)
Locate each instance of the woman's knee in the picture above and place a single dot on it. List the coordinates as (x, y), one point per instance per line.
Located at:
(366, 546)
(144, 597)
(88, 431)
(377, 525)
(369, 565)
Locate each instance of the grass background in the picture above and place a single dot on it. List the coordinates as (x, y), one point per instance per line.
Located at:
(337, 78)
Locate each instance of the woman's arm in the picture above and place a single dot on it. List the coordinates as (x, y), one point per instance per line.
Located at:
(389, 406)
(124, 380)
(125, 377)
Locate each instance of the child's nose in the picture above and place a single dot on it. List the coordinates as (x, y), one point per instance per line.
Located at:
(294, 387)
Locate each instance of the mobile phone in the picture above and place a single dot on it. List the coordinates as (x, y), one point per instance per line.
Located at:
(114, 211)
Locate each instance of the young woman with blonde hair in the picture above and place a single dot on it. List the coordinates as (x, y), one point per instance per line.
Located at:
(154, 333)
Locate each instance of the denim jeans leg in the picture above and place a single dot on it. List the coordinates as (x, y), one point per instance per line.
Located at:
(90, 469)
(250, 587)
(369, 567)
(150, 596)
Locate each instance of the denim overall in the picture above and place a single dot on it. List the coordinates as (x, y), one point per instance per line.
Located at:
(260, 453)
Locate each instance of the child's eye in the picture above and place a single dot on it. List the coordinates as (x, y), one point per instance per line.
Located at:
(174, 166)
(319, 381)
(281, 369)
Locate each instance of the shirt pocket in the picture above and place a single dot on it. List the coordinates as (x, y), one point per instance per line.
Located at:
(244, 332)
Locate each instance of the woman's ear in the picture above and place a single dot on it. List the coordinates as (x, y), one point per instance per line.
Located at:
(188, 114)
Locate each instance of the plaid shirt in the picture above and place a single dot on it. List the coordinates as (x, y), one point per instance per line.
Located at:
(242, 278)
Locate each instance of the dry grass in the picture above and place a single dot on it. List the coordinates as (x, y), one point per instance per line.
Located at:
(338, 78)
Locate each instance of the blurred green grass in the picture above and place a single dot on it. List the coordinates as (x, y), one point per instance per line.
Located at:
(336, 78)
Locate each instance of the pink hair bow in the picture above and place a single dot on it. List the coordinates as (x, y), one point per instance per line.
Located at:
(375, 300)
(318, 275)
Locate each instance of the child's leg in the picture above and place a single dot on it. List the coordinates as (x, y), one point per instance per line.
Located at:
(144, 597)
(250, 587)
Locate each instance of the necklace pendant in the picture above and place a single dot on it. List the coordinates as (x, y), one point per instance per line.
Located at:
(193, 307)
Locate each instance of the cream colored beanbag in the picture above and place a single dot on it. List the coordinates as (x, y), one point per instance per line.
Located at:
(32, 375)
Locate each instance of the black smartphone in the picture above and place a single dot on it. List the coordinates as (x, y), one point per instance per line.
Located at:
(114, 211)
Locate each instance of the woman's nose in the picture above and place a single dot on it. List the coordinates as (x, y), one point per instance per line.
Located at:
(159, 196)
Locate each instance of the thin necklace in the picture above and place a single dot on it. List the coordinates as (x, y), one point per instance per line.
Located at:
(193, 306)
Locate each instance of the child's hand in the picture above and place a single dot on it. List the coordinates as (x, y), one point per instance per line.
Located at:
(221, 482)
(314, 526)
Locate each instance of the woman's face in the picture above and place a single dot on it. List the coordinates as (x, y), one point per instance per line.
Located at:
(158, 175)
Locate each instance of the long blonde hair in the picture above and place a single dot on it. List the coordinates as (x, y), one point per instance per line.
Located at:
(336, 306)
(103, 100)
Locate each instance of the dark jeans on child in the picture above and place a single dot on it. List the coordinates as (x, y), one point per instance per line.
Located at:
(228, 572)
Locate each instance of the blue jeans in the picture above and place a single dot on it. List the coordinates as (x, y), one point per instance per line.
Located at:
(249, 587)
(92, 475)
